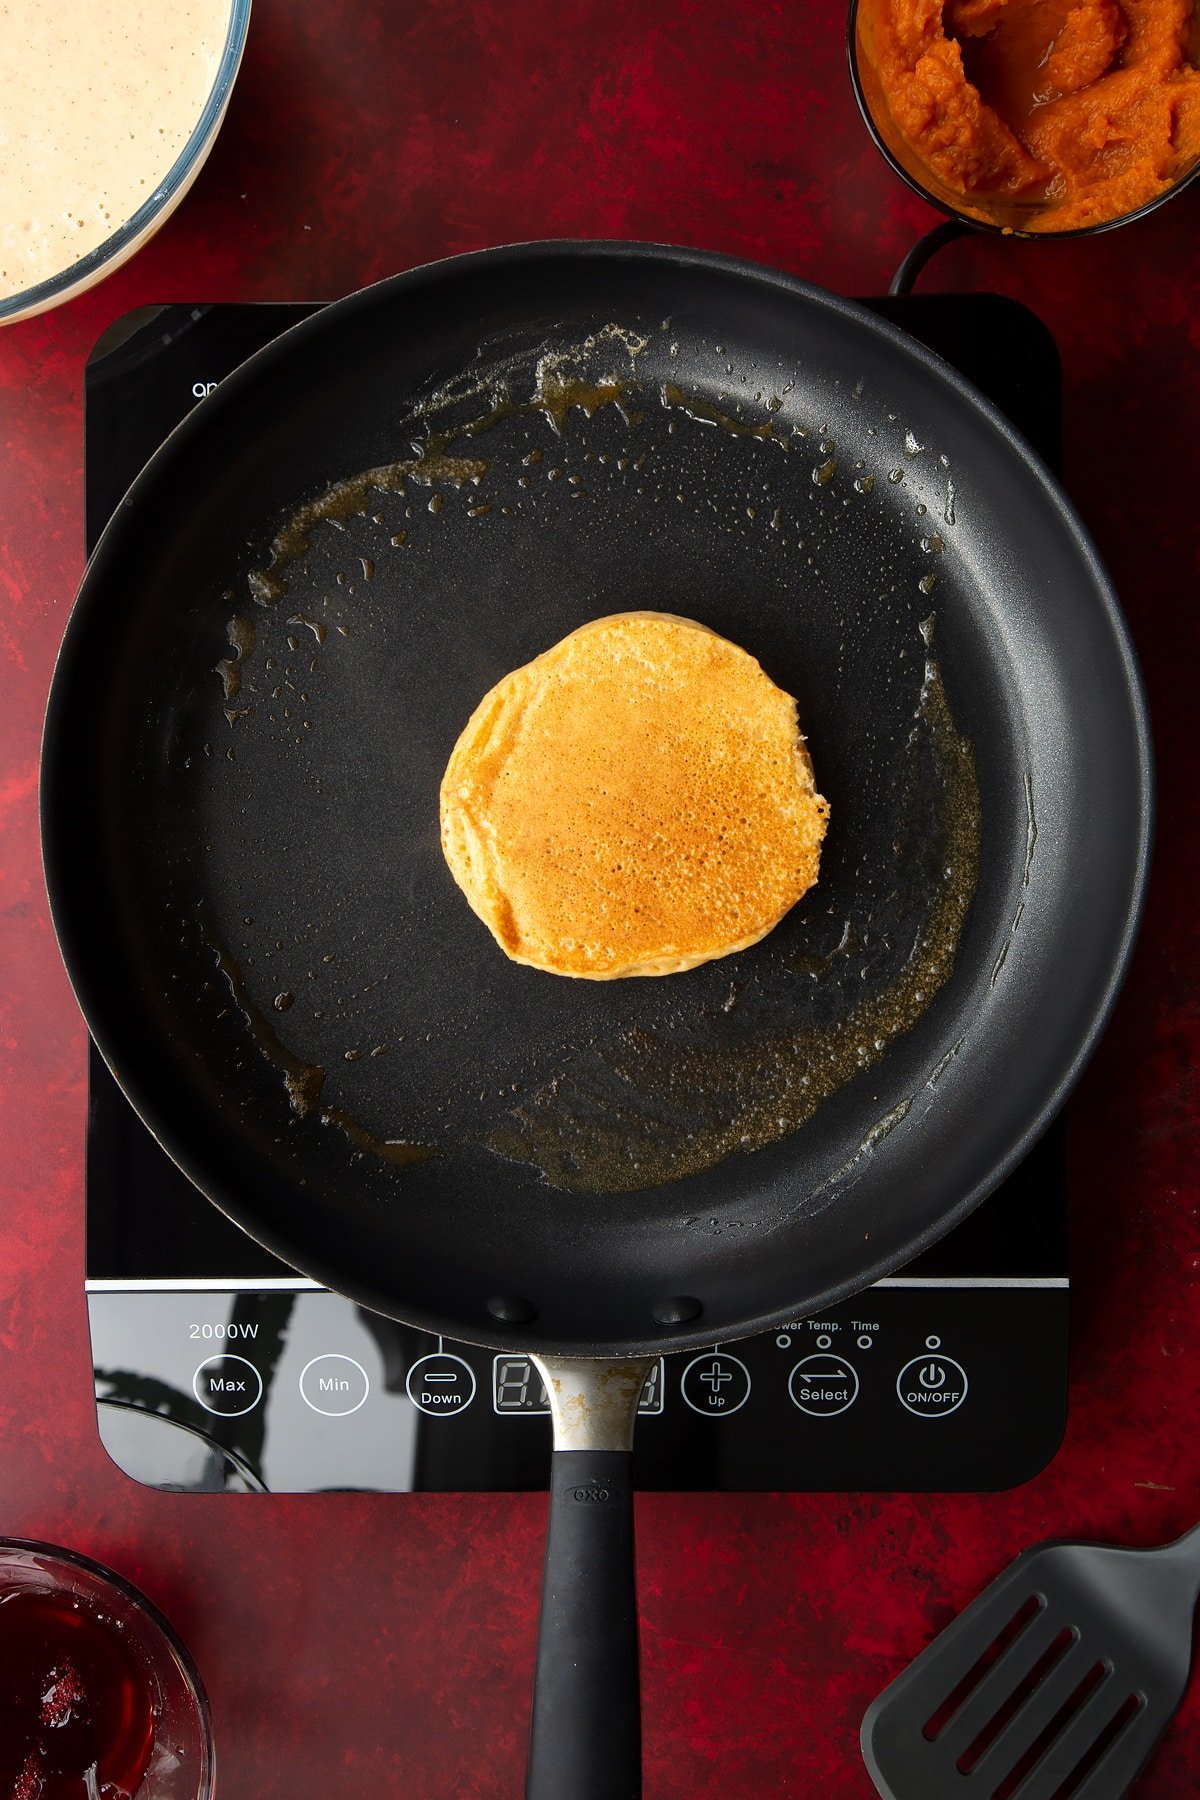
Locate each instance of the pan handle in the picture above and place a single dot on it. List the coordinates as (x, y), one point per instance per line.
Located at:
(586, 1735)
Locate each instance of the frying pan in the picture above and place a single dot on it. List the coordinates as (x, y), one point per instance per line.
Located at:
(259, 687)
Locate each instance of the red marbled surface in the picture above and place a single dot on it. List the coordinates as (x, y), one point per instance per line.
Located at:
(359, 1645)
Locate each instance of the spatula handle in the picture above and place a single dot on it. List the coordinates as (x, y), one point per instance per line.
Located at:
(1184, 1557)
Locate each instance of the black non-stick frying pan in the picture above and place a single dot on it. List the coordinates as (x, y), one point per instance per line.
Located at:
(259, 688)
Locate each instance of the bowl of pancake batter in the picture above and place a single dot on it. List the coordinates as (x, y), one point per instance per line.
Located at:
(108, 109)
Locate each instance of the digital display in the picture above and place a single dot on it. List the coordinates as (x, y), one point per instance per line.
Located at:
(652, 1394)
(518, 1388)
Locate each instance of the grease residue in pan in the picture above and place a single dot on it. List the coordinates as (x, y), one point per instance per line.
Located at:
(412, 613)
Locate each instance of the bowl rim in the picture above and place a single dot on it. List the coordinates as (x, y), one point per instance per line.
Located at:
(76, 1559)
(966, 218)
(58, 287)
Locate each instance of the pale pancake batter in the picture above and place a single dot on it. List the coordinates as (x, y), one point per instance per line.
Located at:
(97, 100)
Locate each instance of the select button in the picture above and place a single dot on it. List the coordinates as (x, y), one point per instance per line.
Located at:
(334, 1385)
(228, 1385)
(823, 1385)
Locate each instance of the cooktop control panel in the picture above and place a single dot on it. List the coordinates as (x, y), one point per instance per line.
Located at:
(929, 1386)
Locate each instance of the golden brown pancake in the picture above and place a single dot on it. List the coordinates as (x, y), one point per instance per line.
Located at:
(635, 801)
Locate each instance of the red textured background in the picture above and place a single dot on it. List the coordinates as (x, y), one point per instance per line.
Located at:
(358, 1645)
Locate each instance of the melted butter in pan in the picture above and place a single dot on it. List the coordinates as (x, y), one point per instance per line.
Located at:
(557, 390)
(305, 1081)
(648, 1108)
(651, 1105)
(241, 634)
(703, 412)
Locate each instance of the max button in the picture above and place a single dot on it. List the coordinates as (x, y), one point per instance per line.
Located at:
(227, 1385)
(932, 1386)
(441, 1384)
(334, 1385)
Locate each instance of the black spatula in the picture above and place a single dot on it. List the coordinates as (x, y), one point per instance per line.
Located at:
(1056, 1684)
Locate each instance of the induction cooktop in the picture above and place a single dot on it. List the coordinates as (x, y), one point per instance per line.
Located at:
(218, 1368)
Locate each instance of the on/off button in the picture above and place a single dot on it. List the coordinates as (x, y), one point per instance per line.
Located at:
(932, 1385)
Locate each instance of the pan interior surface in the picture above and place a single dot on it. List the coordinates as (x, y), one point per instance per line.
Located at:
(273, 656)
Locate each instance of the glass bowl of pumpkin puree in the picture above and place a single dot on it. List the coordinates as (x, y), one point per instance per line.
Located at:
(1044, 118)
(108, 109)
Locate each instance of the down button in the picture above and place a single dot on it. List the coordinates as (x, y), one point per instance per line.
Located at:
(441, 1385)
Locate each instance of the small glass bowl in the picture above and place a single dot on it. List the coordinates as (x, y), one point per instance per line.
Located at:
(182, 1763)
(158, 207)
(1006, 220)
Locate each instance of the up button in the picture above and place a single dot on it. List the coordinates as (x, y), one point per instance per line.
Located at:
(716, 1384)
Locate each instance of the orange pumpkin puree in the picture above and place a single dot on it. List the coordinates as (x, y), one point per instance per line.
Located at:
(1039, 115)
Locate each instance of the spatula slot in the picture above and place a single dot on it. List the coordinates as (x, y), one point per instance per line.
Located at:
(1104, 1741)
(938, 1720)
(1008, 1710)
(1029, 1760)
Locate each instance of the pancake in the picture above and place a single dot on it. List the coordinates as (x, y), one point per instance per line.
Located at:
(635, 801)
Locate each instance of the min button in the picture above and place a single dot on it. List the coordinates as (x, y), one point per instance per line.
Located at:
(334, 1385)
